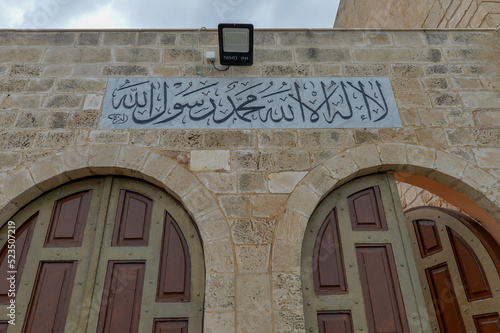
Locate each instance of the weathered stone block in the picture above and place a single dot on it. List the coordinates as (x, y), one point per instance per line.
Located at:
(219, 322)
(255, 231)
(125, 70)
(88, 38)
(138, 55)
(63, 101)
(147, 38)
(290, 160)
(254, 292)
(431, 137)
(433, 118)
(284, 182)
(260, 38)
(326, 70)
(205, 160)
(437, 38)
(9, 160)
(20, 55)
(366, 136)
(487, 157)
(407, 70)
(229, 139)
(219, 292)
(179, 55)
(286, 71)
(39, 85)
(9, 85)
(32, 119)
(80, 55)
(268, 205)
(21, 102)
(397, 55)
(412, 99)
(252, 258)
(487, 136)
(289, 322)
(108, 137)
(16, 139)
(442, 69)
(436, 83)
(287, 293)
(119, 38)
(26, 70)
(181, 181)
(219, 255)
(481, 99)
(366, 157)
(180, 139)
(313, 55)
(326, 138)
(488, 117)
(54, 139)
(377, 38)
(277, 139)
(251, 160)
(252, 182)
(81, 85)
(472, 55)
(409, 38)
(168, 38)
(366, 70)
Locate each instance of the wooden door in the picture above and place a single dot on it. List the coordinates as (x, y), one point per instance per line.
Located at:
(105, 255)
(459, 267)
(358, 270)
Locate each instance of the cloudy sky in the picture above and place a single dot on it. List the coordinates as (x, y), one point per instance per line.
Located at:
(165, 14)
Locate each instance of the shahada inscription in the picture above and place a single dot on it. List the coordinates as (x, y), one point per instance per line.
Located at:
(248, 103)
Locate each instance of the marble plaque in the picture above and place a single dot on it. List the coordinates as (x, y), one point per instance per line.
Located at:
(248, 103)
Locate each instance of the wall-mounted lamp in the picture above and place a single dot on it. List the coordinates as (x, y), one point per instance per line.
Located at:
(236, 44)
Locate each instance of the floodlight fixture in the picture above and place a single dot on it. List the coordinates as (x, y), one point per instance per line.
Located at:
(236, 44)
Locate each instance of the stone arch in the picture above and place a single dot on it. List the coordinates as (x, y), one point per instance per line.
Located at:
(448, 169)
(24, 185)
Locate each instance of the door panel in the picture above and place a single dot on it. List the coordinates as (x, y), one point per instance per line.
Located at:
(379, 281)
(445, 301)
(99, 244)
(49, 304)
(122, 296)
(458, 279)
(361, 225)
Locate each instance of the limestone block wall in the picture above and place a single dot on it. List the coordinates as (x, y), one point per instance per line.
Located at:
(250, 192)
(418, 14)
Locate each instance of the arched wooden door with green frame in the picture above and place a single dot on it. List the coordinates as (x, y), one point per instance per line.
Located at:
(106, 254)
(358, 271)
(365, 270)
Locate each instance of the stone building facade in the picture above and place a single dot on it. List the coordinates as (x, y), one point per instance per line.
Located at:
(421, 14)
(251, 193)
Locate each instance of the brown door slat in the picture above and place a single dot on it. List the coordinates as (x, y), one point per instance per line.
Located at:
(384, 306)
(445, 301)
(473, 276)
(51, 296)
(366, 210)
(175, 265)
(4, 326)
(488, 323)
(133, 219)
(170, 326)
(335, 322)
(428, 238)
(328, 264)
(68, 220)
(22, 243)
(122, 297)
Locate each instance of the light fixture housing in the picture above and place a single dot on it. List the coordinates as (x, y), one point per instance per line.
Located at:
(236, 44)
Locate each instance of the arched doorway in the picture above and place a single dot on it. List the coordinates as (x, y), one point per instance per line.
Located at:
(360, 273)
(106, 254)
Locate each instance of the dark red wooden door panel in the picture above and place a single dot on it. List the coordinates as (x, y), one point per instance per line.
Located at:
(4, 326)
(366, 210)
(428, 238)
(22, 243)
(328, 264)
(133, 220)
(175, 265)
(68, 220)
(122, 297)
(489, 323)
(170, 326)
(384, 306)
(445, 301)
(473, 276)
(51, 296)
(335, 322)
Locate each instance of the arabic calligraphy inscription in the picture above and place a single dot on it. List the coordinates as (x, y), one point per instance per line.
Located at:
(249, 103)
